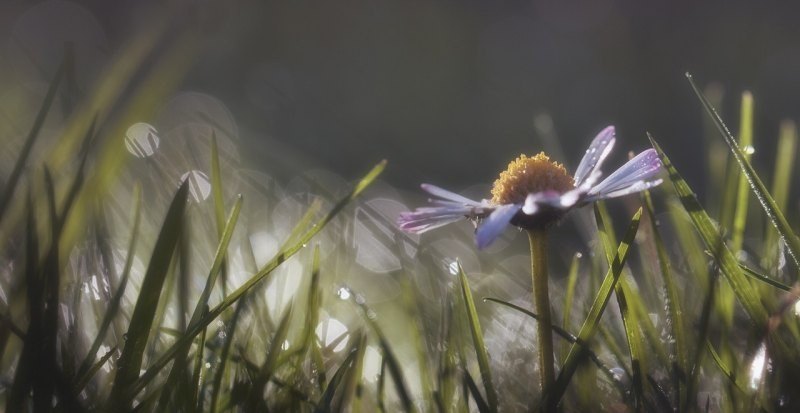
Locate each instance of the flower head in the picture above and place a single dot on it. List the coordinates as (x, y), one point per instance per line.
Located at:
(535, 192)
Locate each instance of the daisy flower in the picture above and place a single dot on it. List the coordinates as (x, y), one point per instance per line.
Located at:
(535, 192)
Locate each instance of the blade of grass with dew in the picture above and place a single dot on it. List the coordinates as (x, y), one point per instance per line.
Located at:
(781, 181)
(130, 361)
(114, 303)
(765, 279)
(572, 281)
(256, 399)
(198, 376)
(673, 304)
(767, 202)
(233, 297)
(33, 134)
(589, 327)
(221, 368)
(477, 340)
(629, 316)
(714, 242)
(726, 371)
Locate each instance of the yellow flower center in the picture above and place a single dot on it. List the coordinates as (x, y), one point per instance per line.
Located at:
(526, 175)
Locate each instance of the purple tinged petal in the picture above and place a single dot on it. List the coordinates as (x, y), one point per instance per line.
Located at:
(595, 155)
(631, 176)
(494, 225)
(552, 199)
(450, 196)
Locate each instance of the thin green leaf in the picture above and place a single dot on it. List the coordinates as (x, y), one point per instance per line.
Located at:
(742, 195)
(765, 279)
(767, 202)
(589, 327)
(710, 235)
(782, 178)
(130, 361)
(326, 403)
(268, 368)
(477, 340)
(469, 383)
(673, 303)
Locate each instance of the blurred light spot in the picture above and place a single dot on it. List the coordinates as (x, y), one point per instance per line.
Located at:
(343, 293)
(141, 140)
(748, 149)
(372, 364)
(453, 267)
(797, 308)
(283, 286)
(757, 366)
(285, 346)
(330, 331)
(199, 185)
(264, 247)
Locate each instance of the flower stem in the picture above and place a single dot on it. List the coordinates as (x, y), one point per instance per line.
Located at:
(541, 301)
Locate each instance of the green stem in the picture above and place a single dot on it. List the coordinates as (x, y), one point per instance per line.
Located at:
(541, 300)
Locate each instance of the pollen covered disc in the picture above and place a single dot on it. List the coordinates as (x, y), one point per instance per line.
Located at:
(526, 175)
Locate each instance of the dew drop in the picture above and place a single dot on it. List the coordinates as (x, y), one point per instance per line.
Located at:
(748, 149)
(343, 293)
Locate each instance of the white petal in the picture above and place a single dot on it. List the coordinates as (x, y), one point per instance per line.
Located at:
(595, 155)
(494, 225)
(642, 168)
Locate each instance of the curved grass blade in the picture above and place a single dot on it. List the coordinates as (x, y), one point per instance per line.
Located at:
(477, 340)
(236, 295)
(572, 281)
(763, 278)
(769, 205)
(673, 303)
(469, 383)
(130, 361)
(327, 401)
(711, 238)
(114, 303)
(589, 327)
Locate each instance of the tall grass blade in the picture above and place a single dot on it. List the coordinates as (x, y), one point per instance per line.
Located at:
(130, 361)
(256, 400)
(742, 195)
(470, 384)
(477, 340)
(587, 331)
(711, 238)
(569, 294)
(673, 303)
(767, 202)
(327, 401)
(781, 181)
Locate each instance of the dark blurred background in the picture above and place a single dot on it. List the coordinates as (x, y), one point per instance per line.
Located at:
(450, 91)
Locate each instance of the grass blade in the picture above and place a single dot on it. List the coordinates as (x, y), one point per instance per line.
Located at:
(775, 215)
(477, 340)
(742, 195)
(782, 178)
(130, 361)
(673, 304)
(469, 383)
(255, 400)
(589, 327)
(711, 238)
(572, 281)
